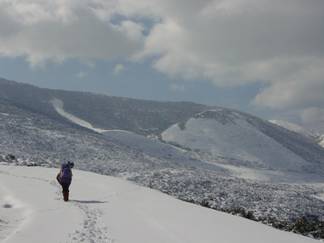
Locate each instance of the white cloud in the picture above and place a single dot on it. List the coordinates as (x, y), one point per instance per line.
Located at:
(302, 86)
(119, 68)
(58, 30)
(229, 42)
(236, 42)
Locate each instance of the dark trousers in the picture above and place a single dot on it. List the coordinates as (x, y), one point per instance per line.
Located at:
(65, 185)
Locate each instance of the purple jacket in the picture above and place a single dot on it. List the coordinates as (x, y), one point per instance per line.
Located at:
(65, 175)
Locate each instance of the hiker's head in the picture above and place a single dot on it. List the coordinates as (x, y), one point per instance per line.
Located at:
(70, 164)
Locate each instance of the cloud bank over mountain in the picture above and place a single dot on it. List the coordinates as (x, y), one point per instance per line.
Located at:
(228, 42)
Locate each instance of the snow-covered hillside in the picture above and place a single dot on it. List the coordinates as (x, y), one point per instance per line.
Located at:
(222, 135)
(106, 209)
(34, 131)
(99, 111)
(36, 139)
(135, 141)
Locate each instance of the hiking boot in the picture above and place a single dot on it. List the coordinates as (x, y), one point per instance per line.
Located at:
(66, 196)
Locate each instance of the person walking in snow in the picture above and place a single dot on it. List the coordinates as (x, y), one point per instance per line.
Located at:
(64, 177)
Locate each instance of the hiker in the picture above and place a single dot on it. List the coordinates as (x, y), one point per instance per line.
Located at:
(64, 177)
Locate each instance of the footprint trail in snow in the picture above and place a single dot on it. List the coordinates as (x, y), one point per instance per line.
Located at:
(92, 230)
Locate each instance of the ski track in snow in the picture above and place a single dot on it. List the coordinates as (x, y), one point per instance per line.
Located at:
(59, 107)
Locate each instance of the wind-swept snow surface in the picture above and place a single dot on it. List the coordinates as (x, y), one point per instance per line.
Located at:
(106, 209)
(59, 107)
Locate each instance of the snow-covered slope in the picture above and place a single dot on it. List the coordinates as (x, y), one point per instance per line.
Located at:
(243, 140)
(106, 209)
(157, 149)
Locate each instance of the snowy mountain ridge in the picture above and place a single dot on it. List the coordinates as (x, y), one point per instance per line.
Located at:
(101, 111)
(246, 140)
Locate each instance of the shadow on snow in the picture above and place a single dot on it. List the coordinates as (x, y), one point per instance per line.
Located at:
(88, 201)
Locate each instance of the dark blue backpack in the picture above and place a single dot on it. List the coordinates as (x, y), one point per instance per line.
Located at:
(66, 174)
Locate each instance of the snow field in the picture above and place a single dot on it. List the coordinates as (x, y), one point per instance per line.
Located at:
(107, 209)
(43, 218)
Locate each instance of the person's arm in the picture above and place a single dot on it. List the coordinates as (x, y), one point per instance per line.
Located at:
(58, 177)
